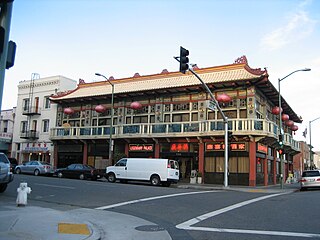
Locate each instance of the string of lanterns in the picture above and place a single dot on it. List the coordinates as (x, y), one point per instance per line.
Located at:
(285, 118)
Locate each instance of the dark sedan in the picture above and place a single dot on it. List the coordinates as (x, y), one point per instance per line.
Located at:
(80, 171)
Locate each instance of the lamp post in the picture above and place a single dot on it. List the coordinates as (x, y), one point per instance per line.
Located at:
(280, 124)
(311, 158)
(111, 116)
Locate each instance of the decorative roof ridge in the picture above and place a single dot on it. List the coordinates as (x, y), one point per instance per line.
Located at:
(64, 93)
(240, 63)
(243, 60)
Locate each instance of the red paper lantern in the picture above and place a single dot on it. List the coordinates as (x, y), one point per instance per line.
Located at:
(285, 117)
(294, 128)
(289, 123)
(68, 111)
(224, 98)
(100, 108)
(135, 105)
(276, 110)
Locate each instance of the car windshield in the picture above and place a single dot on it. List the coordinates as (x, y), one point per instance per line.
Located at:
(4, 159)
(311, 174)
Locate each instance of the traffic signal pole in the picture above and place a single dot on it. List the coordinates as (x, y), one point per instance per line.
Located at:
(225, 120)
(5, 21)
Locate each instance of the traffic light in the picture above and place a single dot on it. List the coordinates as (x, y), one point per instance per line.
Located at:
(184, 60)
(11, 54)
(230, 136)
(280, 140)
(280, 151)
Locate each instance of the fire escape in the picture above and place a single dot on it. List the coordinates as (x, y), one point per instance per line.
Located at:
(31, 109)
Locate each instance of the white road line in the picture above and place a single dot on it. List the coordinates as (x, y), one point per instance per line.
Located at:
(150, 198)
(188, 224)
(56, 186)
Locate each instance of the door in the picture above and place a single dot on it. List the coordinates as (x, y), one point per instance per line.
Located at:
(120, 169)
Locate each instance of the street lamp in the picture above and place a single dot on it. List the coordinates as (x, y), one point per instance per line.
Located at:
(111, 116)
(280, 123)
(311, 160)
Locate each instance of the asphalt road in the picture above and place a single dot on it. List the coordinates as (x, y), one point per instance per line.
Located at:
(184, 213)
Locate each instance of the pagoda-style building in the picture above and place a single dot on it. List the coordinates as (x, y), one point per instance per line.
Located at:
(166, 115)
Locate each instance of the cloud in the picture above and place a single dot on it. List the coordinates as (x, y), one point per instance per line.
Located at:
(298, 27)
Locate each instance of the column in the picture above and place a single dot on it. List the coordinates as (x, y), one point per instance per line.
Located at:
(85, 153)
(252, 164)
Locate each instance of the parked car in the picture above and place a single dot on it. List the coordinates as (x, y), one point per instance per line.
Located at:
(13, 164)
(80, 171)
(310, 179)
(35, 167)
(6, 175)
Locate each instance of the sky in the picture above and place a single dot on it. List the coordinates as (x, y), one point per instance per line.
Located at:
(77, 38)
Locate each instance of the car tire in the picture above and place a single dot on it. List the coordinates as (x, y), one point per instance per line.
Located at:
(155, 180)
(60, 175)
(36, 172)
(111, 177)
(82, 177)
(18, 171)
(3, 187)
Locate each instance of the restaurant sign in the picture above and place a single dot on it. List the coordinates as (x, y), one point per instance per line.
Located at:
(220, 146)
(140, 147)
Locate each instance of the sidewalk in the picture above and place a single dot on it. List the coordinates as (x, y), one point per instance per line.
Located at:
(36, 223)
(292, 187)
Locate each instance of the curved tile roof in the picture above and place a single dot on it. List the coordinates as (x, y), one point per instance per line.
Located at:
(228, 73)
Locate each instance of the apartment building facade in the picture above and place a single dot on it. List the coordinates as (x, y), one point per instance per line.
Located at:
(35, 115)
(6, 130)
(166, 115)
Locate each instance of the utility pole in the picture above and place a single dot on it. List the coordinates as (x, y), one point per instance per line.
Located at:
(5, 22)
(184, 65)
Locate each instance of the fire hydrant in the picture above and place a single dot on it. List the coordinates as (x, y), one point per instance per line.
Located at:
(23, 191)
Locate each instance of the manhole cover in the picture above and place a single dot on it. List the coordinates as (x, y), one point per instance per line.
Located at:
(150, 228)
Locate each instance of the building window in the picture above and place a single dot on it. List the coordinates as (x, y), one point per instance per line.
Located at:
(45, 125)
(25, 104)
(23, 126)
(46, 102)
(5, 126)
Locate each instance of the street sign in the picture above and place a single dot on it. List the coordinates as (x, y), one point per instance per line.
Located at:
(211, 104)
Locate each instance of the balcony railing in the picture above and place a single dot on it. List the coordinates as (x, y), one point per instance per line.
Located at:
(244, 127)
(255, 127)
(31, 134)
(31, 110)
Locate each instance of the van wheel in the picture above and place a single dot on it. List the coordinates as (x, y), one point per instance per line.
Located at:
(155, 180)
(111, 177)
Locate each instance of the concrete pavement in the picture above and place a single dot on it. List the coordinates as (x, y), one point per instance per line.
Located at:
(35, 223)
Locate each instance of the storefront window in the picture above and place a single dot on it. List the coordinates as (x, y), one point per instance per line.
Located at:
(259, 165)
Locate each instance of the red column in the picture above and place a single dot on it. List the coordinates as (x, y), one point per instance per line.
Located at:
(265, 170)
(55, 155)
(201, 158)
(157, 150)
(252, 164)
(85, 153)
(274, 166)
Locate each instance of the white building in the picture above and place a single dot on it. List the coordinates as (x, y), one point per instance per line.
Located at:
(35, 115)
(6, 130)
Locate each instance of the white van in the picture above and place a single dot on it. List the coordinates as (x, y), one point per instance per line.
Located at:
(157, 171)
